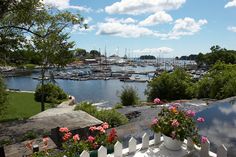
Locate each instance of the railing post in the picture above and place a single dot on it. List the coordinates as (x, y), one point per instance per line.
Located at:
(205, 148)
(84, 154)
(145, 141)
(102, 152)
(118, 149)
(132, 145)
(157, 138)
(222, 151)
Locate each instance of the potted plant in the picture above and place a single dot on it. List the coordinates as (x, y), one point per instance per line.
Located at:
(73, 145)
(176, 125)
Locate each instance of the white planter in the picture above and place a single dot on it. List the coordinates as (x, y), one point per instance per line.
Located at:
(171, 144)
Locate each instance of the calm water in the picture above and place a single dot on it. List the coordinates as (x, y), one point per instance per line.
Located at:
(220, 125)
(92, 90)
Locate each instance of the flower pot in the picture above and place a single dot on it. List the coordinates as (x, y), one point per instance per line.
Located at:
(171, 144)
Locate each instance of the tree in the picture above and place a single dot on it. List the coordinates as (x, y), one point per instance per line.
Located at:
(54, 48)
(170, 86)
(95, 53)
(3, 96)
(80, 53)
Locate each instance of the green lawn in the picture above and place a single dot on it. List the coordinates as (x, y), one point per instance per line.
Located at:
(20, 106)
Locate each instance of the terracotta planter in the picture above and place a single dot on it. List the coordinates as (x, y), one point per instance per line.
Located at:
(171, 144)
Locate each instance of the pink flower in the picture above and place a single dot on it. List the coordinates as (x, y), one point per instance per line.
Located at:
(200, 119)
(45, 141)
(92, 128)
(154, 121)
(64, 130)
(105, 125)
(91, 139)
(204, 139)
(172, 107)
(191, 113)
(157, 101)
(175, 123)
(76, 138)
(101, 129)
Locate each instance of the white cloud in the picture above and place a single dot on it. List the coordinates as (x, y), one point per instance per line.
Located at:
(100, 10)
(183, 27)
(232, 3)
(153, 51)
(232, 29)
(123, 30)
(77, 27)
(114, 20)
(135, 7)
(65, 4)
(157, 18)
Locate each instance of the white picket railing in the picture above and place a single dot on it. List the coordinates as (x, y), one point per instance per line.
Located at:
(203, 151)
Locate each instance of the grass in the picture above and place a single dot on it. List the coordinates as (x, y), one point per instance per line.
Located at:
(21, 106)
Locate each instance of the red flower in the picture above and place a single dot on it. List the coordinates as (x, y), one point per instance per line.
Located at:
(175, 123)
(200, 119)
(64, 130)
(67, 136)
(91, 139)
(105, 125)
(204, 139)
(92, 128)
(76, 138)
(112, 136)
(101, 129)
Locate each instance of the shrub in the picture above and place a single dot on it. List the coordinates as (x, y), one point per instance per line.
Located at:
(112, 117)
(118, 106)
(52, 93)
(129, 96)
(170, 86)
(219, 83)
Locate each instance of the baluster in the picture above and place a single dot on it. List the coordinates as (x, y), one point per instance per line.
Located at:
(145, 141)
(132, 145)
(222, 151)
(84, 154)
(118, 149)
(102, 152)
(205, 148)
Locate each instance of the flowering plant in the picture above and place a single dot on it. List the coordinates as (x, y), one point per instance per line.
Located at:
(73, 144)
(177, 124)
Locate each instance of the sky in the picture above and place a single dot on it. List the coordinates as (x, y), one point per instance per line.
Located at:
(166, 28)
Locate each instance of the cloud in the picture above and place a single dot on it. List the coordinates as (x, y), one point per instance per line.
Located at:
(183, 27)
(153, 51)
(114, 20)
(157, 18)
(123, 30)
(77, 27)
(100, 11)
(136, 7)
(232, 29)
(232, 3)
(65, 4)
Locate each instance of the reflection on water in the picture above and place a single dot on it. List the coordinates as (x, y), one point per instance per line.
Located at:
(93, 90)
(220, 125)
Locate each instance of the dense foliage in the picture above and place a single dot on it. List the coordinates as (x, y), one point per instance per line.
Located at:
(147, 57)
(177, 124)
(170, 86)
(52, 93)
(129, 96)
(83, 54)
(112, 117)
(3, 96)
(217, 54)
(219, 83)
